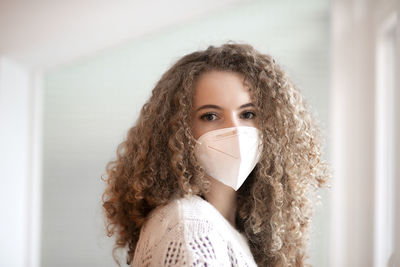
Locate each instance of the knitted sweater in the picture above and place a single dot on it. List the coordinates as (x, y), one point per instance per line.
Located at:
(190, 232)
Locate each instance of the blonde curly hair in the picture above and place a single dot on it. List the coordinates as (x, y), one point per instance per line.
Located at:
(156, 162)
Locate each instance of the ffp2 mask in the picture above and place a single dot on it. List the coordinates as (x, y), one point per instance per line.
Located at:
(229, 154)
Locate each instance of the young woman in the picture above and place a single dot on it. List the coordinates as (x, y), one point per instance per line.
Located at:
(218, 168)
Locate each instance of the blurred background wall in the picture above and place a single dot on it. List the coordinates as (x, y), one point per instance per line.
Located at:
(73, 77)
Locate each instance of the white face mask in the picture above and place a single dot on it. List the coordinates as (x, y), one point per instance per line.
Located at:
(230, 154)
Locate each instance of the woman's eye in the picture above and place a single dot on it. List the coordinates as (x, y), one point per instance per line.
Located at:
(248, 115)
(208, 117)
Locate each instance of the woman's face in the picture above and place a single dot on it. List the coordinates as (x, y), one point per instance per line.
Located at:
(221, 100)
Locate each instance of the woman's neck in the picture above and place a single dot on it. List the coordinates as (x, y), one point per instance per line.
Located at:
(223, 198)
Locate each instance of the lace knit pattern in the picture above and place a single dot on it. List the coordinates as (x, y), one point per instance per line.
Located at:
(190, 232)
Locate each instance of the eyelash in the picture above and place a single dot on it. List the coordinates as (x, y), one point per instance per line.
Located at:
(249, 111)
(204, 116)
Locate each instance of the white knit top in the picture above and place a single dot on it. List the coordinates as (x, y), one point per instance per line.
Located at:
(190, 232)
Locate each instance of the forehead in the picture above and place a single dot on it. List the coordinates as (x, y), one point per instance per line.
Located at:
(221, 87)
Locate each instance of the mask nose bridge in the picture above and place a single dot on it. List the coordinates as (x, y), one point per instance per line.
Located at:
(232, 133)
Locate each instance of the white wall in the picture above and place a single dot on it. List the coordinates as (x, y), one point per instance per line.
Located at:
(42, 34)
(14, 162)
(354, 233)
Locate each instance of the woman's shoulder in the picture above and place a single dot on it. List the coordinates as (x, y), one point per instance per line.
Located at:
(187, 211)
(189, 230)
(170, 229)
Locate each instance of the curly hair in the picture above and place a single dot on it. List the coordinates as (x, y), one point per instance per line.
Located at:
(156, 162)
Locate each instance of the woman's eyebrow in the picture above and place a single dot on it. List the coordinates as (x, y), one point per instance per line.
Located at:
(246, 105)
(208, 106)
(219, 108)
